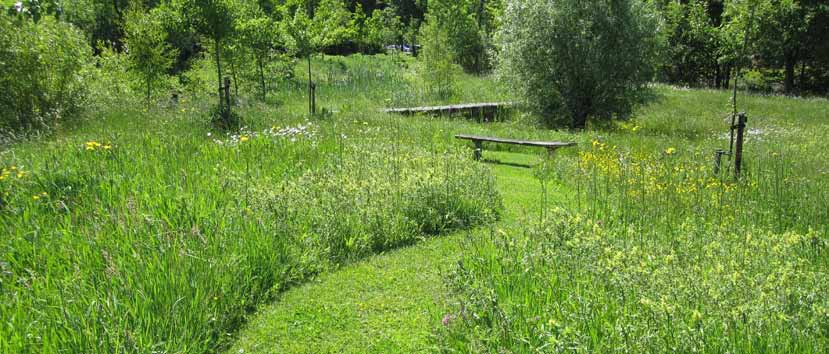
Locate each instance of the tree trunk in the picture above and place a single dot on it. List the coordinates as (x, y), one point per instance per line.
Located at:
(310, 88)
(118, 11)
(580, 121)
(718, 77)
(262, 78)
(789, 80)
(235, 78)
(579, 117)
(219, 70)
(727, 77)
(580, 108)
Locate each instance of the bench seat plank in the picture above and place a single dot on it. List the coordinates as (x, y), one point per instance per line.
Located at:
(546, 144)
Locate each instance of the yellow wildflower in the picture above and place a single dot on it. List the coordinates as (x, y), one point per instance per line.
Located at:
(244, 138)
(696, 316)
(670, 151)
(92, 145)
(36, 197)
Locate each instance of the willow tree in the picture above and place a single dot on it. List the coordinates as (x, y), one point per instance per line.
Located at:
(577, 60)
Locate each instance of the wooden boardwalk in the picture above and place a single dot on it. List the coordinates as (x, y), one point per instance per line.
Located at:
(474, 109)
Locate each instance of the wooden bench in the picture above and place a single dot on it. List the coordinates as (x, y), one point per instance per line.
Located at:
(551, 146)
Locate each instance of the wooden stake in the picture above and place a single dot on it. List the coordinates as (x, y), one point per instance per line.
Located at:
(738, 153)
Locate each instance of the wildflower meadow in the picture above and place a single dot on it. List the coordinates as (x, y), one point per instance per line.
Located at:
(410, 176)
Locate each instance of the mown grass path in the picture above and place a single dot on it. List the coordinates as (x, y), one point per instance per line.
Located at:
(387, 304)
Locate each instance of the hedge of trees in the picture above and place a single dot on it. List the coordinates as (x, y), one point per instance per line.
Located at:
(700, 41)
(788, 45)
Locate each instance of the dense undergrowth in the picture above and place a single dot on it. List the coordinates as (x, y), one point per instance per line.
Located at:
(150, 232)
(655, 252)
(165, 243)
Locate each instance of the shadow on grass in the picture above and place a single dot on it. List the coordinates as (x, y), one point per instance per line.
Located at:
(502, 163)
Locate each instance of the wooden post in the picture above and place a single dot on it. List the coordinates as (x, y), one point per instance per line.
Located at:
(718, 160)
(479, 148)
(738, 153)
(313, 98)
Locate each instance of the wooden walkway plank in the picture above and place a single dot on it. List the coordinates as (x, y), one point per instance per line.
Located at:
(449, 109)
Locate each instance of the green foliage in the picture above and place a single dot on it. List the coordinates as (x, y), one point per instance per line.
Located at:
(301, 39)
(437, 68)
(112, 83)
(332, 24)
(43, 68)
(214, 19)
(784, 34)
(149, 54)
(574, 60)
(647, 250)
(693, 44)
(705, 41)
(207, 250)
(35, 9)
(464, 24)
(261, 36)
(211, 18)
(385, 27)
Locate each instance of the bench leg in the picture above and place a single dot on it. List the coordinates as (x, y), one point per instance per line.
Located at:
(551, 152)
(479, 148)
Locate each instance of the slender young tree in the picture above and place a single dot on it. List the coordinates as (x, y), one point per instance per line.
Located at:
(149, 54)
(437, 68)
(330, 25)
(213, 19)
(259, 36)
(303, 44)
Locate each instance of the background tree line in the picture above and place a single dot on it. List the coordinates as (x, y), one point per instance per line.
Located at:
(788, 46)
(160, 41)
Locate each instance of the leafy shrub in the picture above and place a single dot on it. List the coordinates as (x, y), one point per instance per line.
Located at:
(573, 60)
(456, 20)
(112, 81)
(43, 67)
